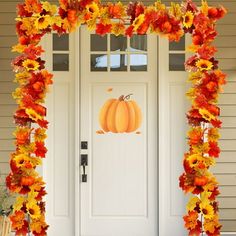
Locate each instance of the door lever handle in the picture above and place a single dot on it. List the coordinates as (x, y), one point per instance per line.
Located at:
(84, 163)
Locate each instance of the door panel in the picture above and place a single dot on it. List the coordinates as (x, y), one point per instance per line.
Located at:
(120, 195)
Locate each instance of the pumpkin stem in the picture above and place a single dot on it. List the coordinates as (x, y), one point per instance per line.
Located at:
(121, 98)
(127, 97)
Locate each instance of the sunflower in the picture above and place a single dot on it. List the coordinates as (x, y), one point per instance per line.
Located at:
(188, 19)
(207, 210)
(93, 9)
(21, 160)
(30, 65)
(33, 210)
(42, 22)
(194, 160)
(204, 64)
(206, 115)
(33, 114)
(138, 21)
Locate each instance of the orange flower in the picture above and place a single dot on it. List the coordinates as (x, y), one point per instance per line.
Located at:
(17, 219)
(33, 6)
(191, 220)
(195, 136)
(22, 136)
(116, 10)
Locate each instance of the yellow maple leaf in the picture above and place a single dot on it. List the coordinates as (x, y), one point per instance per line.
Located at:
(18, 203)
(211, 224)
(192, 203)
(175, 10)
(204, 7)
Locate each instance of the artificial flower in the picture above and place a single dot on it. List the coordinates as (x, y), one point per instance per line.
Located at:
(138, 21)
(33, 210)
(191, 220)
(188, 19)
(18, 221)
(22, 160)
(93, 10)
(207, 210)
(30, 65)
(43, 22)
(116, 10)
(204, 65)
(33, 6)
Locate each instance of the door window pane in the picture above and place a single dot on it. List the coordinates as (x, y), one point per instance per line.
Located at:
(98, 62)
(177, 46)
(138, 43)
(60, 62)
(176, 62)
(98, 43)
(118, 62)
(61, 43)
(138, 62)
(118, 43)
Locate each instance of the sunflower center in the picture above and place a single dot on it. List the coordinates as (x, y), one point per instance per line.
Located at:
(187, 19)
(21, 161)
(204, 211)
(204, 65)
(41, 20)
(30, 65)
(31, 211)
(91, 10)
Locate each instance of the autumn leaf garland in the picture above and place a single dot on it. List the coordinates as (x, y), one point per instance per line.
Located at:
(37, 18)
(207, 81)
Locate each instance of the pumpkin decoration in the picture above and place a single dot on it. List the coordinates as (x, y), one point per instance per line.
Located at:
(27, 180)
(200, 181)
(120, 115)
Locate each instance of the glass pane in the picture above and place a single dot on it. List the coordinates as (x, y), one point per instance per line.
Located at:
(98, 62)
(176, 62)
(118, 43)
(118, 62)
(61, 43)
(98, 43)
(60, 62)
(138, 62)
(138, 43)
(177, 46)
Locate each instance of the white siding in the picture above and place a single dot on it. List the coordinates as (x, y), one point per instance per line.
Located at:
(226, 43)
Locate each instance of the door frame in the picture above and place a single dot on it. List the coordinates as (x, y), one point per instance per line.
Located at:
(77, 170)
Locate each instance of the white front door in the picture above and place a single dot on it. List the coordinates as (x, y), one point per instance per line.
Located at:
(118, 107)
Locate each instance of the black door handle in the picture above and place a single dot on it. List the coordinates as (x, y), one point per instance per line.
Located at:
(84, 163)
